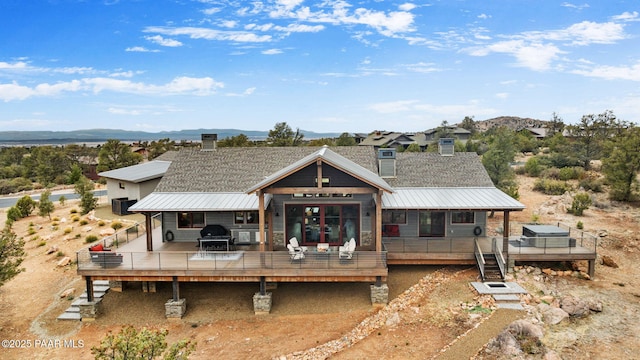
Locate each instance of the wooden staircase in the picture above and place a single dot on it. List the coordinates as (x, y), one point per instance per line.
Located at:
(491, 269)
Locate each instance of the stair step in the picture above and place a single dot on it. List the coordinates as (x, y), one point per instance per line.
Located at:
(69, 316)
(100, 288)
(513, 306)
(96, 294)
(506, 297)
(101, 282)
(73, 309)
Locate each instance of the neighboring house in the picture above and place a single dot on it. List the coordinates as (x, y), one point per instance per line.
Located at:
(125, 186)
(400, 208)
(398, 140)
(538, 133)
(457, 133)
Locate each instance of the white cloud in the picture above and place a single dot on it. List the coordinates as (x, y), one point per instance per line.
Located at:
(407, 6)
(533, 56)
(20, 65)
(178, 86)
(208, 34)
(157, 39)
(211, 11)
(574, 6)
(627, 16)
(502, 95)
(272, 52)
(139, 49)
(456, 111)
(612, 72)
(483, 16)
(394, 106)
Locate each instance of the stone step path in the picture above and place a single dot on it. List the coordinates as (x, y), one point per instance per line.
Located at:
(100, 288)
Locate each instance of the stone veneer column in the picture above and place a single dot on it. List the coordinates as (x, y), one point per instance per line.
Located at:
(175, 309)
(262, 303)
(89, 310)
(380, 294)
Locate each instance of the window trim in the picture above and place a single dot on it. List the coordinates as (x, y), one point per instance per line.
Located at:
(473, 220)
(191, 224)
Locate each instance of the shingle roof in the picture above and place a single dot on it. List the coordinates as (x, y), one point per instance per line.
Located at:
(138, 173)
(419, 169)
(239, 169)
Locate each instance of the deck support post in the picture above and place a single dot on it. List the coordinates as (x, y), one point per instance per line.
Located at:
(505, 236)
(147, 223)
(116, 285)
(175, 307)
(263, 285)
(379, 295)
(592, 268)
(89, 284)
(262, 303)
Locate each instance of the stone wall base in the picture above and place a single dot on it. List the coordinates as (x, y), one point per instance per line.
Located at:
(89, 310)
(175, 309)
(262, 303)
(380, 294)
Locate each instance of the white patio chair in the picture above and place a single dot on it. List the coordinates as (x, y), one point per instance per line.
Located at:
(294, 242)
(295, 254)
(346, 251)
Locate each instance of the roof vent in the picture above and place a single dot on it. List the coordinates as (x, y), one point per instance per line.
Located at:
(446, 146)
(387, 162)
(209, 141)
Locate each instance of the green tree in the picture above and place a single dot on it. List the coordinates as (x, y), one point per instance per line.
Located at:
(345, 139)
(469, 124)
(413, 147)
(75, 174)
(497, 161)
(581, 202)
(556, 125)
(131, 343)
(84, 187)
(13, 215)
(11, 255)
(157, 148)
(115, 155)
(321, 142)
(591, 133)
(62, 199)
(25, 205)
(621, 165)
(45, 205)
(240, 140)
(444, 131)
(49, 164)
(283, 135)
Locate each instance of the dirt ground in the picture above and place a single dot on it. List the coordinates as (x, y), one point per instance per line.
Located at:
(428, 308)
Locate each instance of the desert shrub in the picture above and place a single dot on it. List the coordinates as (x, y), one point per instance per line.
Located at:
(13, 214)
(591, 184)
(520, 170)
(116, 225)
(84, 222)
(55, 218)
(42, 243)
(68, 230)
(75, 218)
(580, 225)
(571, 173)
(550, 173)
(101, 223)
(551, 187)
(77, 236)
(26, 205)
(31, 231)
(73, 211)
(581, 202)
(90, 238)
(561, 160)
(533, 167)
(62, 200)
(60, 254)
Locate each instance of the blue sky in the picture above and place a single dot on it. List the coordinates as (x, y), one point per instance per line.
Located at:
(325, 66)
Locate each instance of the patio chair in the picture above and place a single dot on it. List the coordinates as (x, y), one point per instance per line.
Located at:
(294, 242)
(346, 251)
(295, 254)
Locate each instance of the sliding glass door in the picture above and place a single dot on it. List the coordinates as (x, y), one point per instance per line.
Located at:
(322, 223)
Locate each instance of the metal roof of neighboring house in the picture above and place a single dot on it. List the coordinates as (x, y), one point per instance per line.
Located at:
(198, 202)
(239, 169)
(330, 157)
(483, 198)
(138, 173)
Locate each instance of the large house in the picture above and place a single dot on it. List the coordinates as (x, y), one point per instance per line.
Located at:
(399, 208)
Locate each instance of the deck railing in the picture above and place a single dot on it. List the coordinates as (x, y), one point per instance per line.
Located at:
(232, 260)
(434, 245)
(578, 242)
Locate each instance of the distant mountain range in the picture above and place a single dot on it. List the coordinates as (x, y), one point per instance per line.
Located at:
(101, 135)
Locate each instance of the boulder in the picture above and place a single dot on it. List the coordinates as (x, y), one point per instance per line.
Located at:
(608, 261)
(574, 306)
(52, 249)
(64, 261)
(551, 315)
(67, 293)
(107, 232)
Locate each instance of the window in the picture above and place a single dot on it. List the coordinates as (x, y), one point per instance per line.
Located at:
(190, 220)
(121, 185)
(463, 217)
(431, 223)
(394, 216)
(245, 217)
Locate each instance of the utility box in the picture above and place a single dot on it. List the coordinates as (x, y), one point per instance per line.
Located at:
(120, 206)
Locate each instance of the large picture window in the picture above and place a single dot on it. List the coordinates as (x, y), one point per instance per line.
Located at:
(322, 223)
(188, 220)
(463, 217)
(394, 216)
(431, 223)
